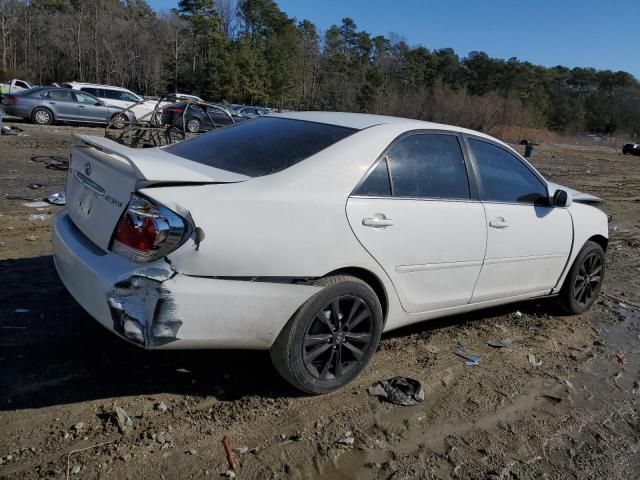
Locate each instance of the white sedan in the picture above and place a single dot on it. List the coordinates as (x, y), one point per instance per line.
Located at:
(309, 234)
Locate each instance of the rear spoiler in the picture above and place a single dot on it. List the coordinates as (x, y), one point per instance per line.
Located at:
(157, 166)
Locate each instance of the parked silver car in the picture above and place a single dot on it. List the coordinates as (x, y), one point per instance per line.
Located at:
(46, 105)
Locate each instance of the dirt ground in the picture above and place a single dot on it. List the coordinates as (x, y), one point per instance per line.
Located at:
(62, 376)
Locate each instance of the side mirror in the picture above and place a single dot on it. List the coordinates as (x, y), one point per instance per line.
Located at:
(99, 103)
(561, 198)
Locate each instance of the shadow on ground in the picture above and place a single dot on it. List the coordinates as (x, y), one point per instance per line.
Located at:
(55, 353)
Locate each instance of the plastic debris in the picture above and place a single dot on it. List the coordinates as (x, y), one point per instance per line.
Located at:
(496, 344)
(39, 216)
(38, 204)
(552, 398)
(227, 449)
(517, 314)
(57, 198)
(35, 186)
(398, 390)
(8, 130)
(123, 420)
(621, 359)
(534, 361)
(471, 360)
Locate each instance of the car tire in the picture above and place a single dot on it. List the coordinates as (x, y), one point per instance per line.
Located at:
(317, 354)
(193, 125)
(584, 281)
(119, 121)
(42, 116)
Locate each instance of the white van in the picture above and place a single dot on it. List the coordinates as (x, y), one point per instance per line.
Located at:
(116, 96)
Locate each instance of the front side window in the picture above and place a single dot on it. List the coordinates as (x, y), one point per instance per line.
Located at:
(503, 177)
(260, 146)
(428, 166)
(128, 97)
(85, 98)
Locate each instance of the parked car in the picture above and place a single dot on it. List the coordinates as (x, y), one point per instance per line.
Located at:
(116, 96)
(14, 86)
(46, 105)
(311, 233)
(199, 116)
(631, 148)
(252, 111)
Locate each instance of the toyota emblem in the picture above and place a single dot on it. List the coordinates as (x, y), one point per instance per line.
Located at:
(87, 169)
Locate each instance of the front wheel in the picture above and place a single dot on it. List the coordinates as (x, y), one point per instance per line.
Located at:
(119, 121)
(332, 336)
(584, 280)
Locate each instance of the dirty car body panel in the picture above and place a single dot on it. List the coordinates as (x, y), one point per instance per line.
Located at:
(263, 210)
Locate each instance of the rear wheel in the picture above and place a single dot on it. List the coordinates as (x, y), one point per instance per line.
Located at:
(584, 280)
(331, 338)
(193, 125)
(42, 116)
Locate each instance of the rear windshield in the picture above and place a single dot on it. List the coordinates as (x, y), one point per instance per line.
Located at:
(260, 146)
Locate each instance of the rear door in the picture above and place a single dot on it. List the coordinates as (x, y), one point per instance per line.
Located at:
(63, 104)
(418, 215)
(528, 241)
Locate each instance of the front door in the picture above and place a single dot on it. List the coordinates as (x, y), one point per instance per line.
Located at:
(414, 213)
(528, 241)
(88, 111)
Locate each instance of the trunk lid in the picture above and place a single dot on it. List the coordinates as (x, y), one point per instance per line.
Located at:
(103, 174)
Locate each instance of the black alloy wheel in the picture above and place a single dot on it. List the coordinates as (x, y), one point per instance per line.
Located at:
(584, 280)
(336, 340)
(588, 279)
(331, 337)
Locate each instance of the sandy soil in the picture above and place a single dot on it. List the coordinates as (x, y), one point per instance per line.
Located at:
(62, 375)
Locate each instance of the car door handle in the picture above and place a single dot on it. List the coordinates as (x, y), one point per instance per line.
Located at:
(81, 106)
(378, 220)
(499, 223)
(52, 103)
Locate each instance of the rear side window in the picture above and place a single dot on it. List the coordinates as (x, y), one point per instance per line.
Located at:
(261, 146)
(92, 91)
(428, 166)
(503, 177)
(378, 183)
(61, 95)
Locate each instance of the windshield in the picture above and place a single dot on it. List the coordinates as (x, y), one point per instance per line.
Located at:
(260, 146)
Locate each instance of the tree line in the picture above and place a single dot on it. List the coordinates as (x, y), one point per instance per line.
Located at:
(250, 51)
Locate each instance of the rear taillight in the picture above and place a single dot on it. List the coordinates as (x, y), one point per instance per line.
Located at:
(10, 100)
(147, 231)
(175, 109)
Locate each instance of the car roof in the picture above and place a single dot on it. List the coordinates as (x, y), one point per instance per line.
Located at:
(361, 121)
(82, 84)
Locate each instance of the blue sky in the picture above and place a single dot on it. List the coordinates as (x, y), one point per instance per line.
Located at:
(586, 33)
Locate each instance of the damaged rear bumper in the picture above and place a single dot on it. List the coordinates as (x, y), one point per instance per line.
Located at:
(153, 306)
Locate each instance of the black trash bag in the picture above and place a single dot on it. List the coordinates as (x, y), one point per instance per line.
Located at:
(399, 390)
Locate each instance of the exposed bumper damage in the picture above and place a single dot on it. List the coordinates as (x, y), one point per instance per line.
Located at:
(144, 312)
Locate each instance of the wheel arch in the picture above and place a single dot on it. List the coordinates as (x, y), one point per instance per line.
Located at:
(600, 240)
(370, 279)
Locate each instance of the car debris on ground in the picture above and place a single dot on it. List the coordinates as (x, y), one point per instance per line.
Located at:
(398, 390)
(471, 360)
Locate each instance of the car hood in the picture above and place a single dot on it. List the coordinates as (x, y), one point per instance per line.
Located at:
(575, 194)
